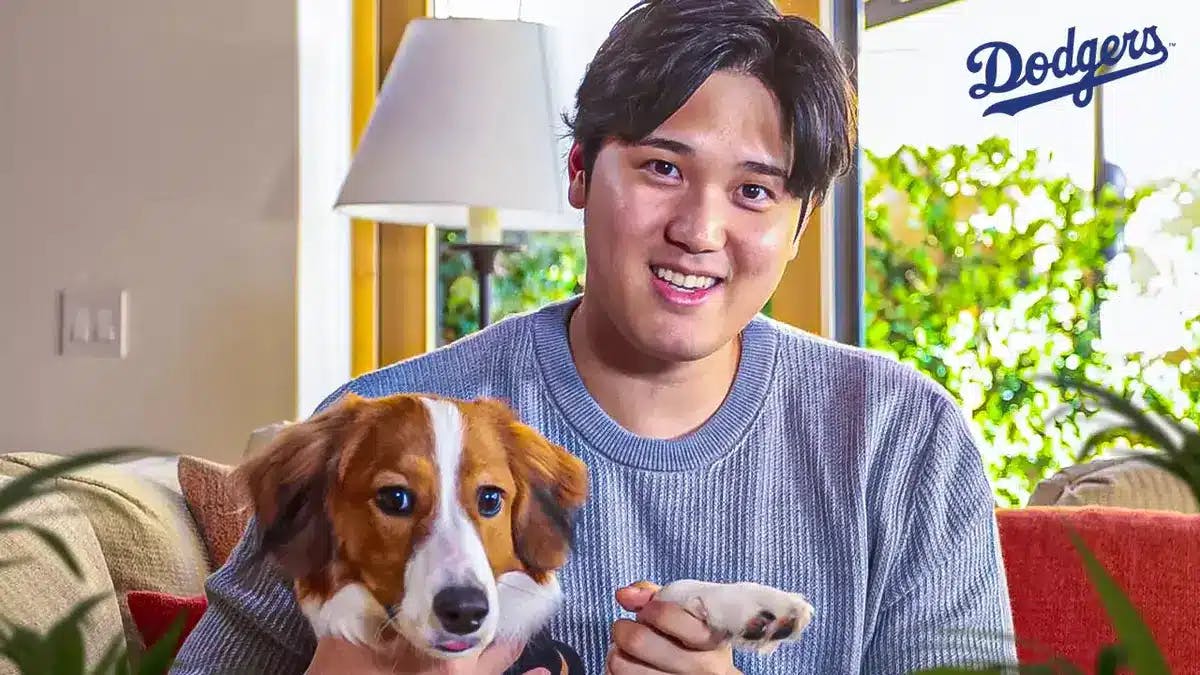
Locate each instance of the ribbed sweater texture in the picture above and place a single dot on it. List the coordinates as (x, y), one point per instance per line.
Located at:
(828, 470)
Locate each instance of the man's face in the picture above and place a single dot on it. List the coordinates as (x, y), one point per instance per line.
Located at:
(688, 231)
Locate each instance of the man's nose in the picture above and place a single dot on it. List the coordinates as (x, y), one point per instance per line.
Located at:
(699, 223)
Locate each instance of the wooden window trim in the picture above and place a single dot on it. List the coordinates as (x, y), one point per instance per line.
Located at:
(392, 266)
(804, 296)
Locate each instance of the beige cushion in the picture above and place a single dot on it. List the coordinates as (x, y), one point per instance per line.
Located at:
(40, 589)
(140, 522)
(1123, 482)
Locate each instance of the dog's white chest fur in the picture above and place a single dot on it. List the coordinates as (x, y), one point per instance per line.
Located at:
(351, 614)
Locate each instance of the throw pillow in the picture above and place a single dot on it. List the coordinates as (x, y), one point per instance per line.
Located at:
(215, 503)
(154, 612)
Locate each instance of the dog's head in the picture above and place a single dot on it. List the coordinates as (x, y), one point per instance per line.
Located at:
(407, 515)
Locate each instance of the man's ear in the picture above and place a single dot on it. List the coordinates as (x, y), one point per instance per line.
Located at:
(577, 177)
(552, 486)
(288, 482)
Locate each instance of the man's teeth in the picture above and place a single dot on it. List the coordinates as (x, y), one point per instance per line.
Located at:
(688, 281)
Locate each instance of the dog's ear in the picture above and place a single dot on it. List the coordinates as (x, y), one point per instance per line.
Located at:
(287, 484)
(552, 484)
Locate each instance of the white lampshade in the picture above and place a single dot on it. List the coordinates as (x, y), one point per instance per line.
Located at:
(465, 132)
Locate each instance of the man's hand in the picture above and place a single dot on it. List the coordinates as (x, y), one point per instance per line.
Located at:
(340, 657)
(665, 638)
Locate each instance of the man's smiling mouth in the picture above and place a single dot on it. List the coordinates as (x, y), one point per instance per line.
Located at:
(684, 282)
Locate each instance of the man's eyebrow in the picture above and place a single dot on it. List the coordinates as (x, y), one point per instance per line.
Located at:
(765, 169)
(667, 144)
(681, 148)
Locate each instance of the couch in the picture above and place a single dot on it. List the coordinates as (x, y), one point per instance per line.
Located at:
(155, 528)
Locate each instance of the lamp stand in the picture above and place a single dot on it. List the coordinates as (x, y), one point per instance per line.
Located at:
(483, 260)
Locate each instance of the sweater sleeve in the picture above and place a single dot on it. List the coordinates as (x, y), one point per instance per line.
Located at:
(253, 623)
(945, 600)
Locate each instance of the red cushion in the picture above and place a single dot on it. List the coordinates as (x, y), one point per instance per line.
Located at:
(153, 613)
(1154, 557)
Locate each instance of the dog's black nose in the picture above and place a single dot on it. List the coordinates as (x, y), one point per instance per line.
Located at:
(461, 609)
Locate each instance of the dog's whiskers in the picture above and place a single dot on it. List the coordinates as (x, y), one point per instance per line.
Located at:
(514, 587)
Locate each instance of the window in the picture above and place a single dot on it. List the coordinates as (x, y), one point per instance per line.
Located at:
(985, 273)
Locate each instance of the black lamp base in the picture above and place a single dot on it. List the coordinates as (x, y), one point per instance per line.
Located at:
(483, 260)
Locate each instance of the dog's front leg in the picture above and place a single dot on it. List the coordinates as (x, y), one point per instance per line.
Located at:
(755, 617)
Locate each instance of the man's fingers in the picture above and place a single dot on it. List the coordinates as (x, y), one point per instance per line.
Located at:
(675, 621)
(633, 599)
(620, 663)
(646, 645)
(635, 596)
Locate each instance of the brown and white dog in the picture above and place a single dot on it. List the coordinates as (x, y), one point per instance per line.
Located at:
(442, 523)
(435, 521)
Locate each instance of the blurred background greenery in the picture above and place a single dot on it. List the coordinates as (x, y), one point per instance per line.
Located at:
(982, 271)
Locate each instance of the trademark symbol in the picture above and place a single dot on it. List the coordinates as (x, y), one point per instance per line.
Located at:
(1171, 44)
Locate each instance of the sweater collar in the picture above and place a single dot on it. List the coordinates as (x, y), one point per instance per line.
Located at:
(718, 436)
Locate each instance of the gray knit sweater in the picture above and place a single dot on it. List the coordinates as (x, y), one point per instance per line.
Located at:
(828, 471)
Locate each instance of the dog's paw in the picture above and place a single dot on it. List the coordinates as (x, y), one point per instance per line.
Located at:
(755, 617)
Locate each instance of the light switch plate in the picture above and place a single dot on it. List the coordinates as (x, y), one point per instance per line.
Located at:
(93, 322)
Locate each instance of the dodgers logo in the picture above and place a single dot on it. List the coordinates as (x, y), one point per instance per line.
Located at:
(1004, 68)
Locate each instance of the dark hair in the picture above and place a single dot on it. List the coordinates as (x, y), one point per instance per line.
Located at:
(661, 51)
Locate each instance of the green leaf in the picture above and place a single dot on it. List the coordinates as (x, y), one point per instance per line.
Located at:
(51, 539)
(1138, 644)
(158, 658)
(60, 650)
(1110, 659)
(27, 651)
(66, 642)
(1139, 420)
(114, 655)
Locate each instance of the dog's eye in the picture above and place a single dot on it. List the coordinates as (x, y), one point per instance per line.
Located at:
(490, 501)
(394, 500)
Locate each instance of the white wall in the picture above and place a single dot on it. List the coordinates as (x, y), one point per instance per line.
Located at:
(155, 146)
(325, 31)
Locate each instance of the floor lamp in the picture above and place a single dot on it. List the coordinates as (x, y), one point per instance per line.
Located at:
(465, 134)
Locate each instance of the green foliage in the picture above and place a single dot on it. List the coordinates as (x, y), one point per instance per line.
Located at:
(60, 650)
(983, 273)
(550, 267)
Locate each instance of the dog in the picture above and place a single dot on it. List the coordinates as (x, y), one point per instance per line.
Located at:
(442, 523)
(433, 521)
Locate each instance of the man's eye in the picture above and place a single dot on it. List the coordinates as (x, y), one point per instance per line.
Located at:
(755, 192)
(662, 168)
(394, 500)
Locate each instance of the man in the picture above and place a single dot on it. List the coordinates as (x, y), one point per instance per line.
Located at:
(721, 445)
